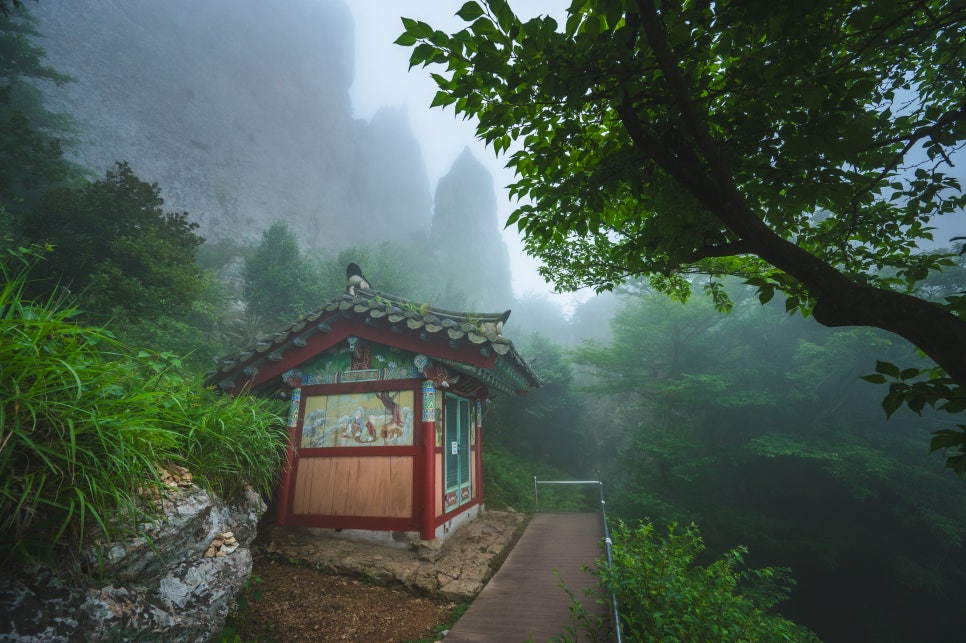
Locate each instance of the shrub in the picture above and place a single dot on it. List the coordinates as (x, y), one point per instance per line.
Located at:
(664, 596)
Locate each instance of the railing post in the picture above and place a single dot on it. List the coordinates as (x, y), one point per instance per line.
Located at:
(608, 546)
(608, 543)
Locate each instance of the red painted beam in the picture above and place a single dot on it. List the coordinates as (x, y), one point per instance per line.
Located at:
(317, 342)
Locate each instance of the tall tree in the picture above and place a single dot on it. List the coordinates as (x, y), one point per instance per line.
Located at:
(756, 425)
(549, 425)
(31, 156)
(280, 282)
(113, 242)
(805, 146)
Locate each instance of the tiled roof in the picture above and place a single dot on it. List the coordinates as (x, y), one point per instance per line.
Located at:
(484, 330)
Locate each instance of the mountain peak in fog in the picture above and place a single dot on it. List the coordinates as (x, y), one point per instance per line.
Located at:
(466, 233)
(240, 111)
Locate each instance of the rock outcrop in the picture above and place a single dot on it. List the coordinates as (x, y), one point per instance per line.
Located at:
(466, 235)
(240, 111)
(157, 586)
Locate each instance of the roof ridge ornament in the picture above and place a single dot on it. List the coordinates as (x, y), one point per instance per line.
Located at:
(355, 279)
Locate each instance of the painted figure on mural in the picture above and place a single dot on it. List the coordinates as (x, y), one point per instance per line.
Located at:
(354, 427)
(313, 429)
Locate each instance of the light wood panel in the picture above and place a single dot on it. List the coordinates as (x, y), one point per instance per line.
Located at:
(439, 484)
(374, 486)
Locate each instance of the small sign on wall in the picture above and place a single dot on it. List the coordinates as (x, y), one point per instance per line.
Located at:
(454, 448)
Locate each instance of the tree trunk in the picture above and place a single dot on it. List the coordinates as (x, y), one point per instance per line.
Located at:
(839, 300)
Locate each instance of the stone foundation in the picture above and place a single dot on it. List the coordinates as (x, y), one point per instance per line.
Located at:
(456, 568)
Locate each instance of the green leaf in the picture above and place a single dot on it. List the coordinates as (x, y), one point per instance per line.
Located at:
(422, 53)
(406, 40)
(947, 439)
(418, 29)
(909, 373)
(470, 11)
(890, 370)
(891, 403)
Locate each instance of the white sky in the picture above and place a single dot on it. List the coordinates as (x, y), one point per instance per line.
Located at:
(382, 78)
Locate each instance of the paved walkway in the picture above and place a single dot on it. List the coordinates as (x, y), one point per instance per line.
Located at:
(524, 600)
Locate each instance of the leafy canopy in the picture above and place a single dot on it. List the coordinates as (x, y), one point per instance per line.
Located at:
(803, 146)
(113, 242)
(814, 113)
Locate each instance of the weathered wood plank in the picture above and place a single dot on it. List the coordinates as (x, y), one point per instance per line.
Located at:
(524, 600)
(401, 487)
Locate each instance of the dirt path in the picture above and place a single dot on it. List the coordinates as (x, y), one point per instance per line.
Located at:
(308, 586)
(287, 602)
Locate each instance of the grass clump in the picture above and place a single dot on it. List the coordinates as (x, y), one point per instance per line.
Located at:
(87, 424)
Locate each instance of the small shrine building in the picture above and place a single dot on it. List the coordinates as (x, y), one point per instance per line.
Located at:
(386, 411)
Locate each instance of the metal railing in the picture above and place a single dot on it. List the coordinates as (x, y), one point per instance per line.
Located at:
(608, 543)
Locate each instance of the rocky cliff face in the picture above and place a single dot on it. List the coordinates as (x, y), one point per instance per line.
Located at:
(240, 111)
(466, 234)
(166, 584)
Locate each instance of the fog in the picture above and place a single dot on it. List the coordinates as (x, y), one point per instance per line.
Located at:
(383, 78)
(245, 115)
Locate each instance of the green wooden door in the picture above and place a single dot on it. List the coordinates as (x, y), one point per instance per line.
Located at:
(456, 446)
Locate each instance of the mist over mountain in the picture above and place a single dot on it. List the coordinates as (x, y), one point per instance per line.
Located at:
(240, 111)
(466, 233)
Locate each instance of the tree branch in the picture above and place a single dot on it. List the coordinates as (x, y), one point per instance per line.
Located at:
(839, 301)
(724, 250)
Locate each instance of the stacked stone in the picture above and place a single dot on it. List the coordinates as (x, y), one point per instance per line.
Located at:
(221, 545)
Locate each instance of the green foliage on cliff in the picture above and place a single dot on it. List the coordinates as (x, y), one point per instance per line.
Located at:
(114, 244)
(87, 425)
(280, 282)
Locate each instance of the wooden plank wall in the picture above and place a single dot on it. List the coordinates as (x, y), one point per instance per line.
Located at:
(376, 486)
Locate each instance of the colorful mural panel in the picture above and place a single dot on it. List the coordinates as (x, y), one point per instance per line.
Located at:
(343, 364)
(378, 418)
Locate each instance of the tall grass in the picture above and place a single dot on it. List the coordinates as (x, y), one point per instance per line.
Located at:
(86, 425)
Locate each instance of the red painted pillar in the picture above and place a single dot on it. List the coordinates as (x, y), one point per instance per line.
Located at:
(286, 484)
(427, 529)
(479, 463)
(288, 479)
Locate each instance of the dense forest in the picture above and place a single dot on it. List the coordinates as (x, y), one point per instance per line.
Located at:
(734, 411)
